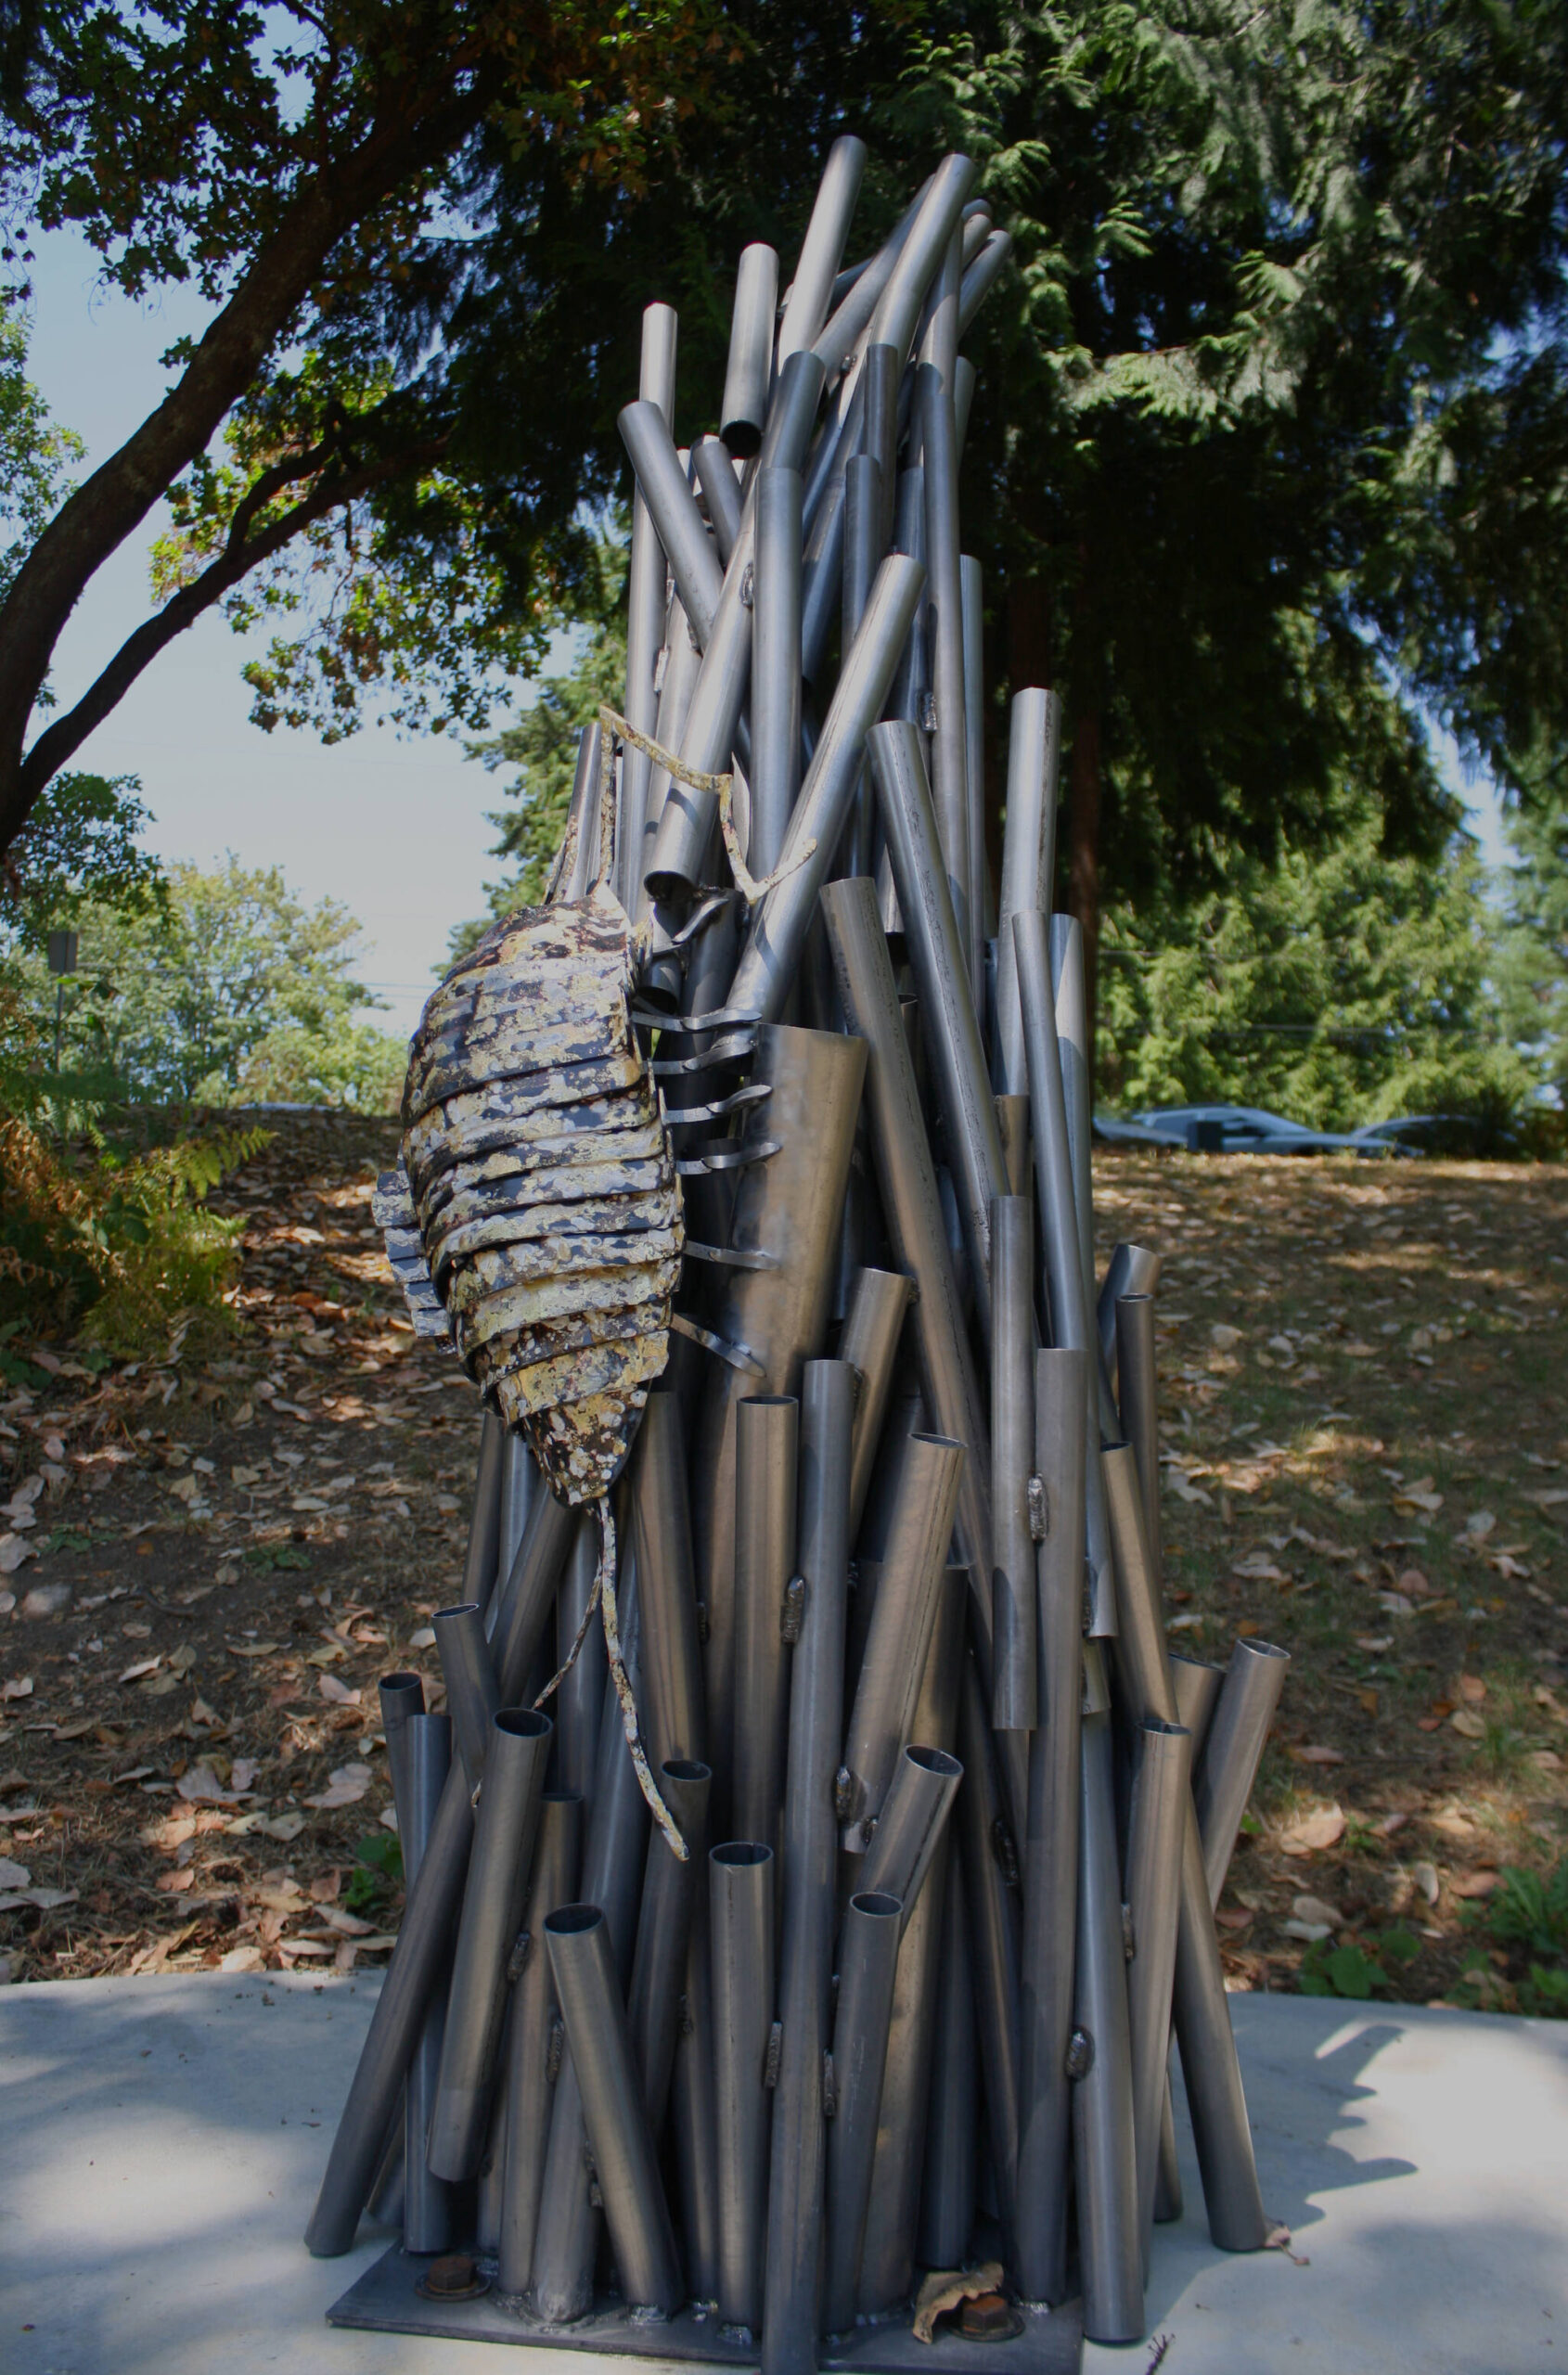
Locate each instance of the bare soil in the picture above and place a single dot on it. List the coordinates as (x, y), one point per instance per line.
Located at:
(1365, 1383)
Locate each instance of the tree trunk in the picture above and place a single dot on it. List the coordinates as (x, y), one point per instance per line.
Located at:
(1083, 858)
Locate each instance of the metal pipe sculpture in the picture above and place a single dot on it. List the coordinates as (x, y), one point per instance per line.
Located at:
(777, 1081)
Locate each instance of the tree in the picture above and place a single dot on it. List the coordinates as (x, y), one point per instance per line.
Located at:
(228, 988)
(326, 174)
(1534, 958)
(1338, 986)
(543, 747)
(1287, 284)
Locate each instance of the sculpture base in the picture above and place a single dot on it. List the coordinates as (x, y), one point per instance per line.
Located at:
(385, 2300)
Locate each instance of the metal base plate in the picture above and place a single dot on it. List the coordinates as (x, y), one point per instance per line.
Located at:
(384, 2300)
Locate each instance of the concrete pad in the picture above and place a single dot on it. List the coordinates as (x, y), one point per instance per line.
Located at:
(160, 2141)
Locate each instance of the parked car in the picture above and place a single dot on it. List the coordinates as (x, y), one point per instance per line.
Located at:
(1233, 1129)
(1441, 1134)
(1117, 1132)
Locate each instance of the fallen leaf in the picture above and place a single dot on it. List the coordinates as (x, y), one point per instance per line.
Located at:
(1468, 1724)
(1317, 1909)
(173, 1883)
(1314, 1932)
(12, 1550)
(250, 1649)
(243, 1959)
(1390, 1823)
(1309, 1833)
(1479, 1524)
(144, 1666)
(1233, 1917)
(1473, 1885)
(242, 1775)
(13, 1876)
(336, 1693)
(45, 1900)
(1471, 1688)
(1223, 1337)
(325, 1886)
(1373, 1642)
(283, 1826)
(1318, 1756)
(1426, 1879)
(344, 1788)
(1545, 1760)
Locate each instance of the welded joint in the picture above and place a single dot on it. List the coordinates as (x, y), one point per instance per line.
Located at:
(517, 1961)
(845, 1794)
(791, 1616)
(928, 713)
(702, 1621)
(1078, 2061)
(659, 667)
(1129, 1940)
(558, 2046)
(1039, 1509)
(685, 2025)
(773, 2055)
(1005, 1851)
(748, 587)
(830, 2089)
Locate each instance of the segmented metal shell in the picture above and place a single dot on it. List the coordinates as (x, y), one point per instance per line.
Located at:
(536, 1215)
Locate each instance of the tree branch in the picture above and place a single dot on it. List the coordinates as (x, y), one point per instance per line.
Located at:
(65, 735)
(113, 501)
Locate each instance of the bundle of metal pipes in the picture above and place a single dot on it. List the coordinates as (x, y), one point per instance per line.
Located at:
(954, 1818)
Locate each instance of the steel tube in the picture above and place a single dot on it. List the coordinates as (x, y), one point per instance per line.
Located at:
(741, 1880)
(971, 581)
(867, 1965)
(1028, 861)
(887, 2259)
(1138, 1369)
(948, 2196)
(766, 1445)
(846, 327)
(776, 666)
(472, 1692)
(864, 542)
(566, 2237)
(619, 2136)
(1234, 1750)
(430, 1908)
(749, 373)
(514, 1773)
(805, 310)
(994, 1927)
(1197, 1686)
(682, 665)
(1050, 1861)
(912, 676)
(1103, 2142)
(714, 466)
(1132, 1270)
(689, 817)
(664, 1931)
(1014, 1678)
(694, 2117)
(797, 2171)
(1214, 2097)
(426, 2207)
(1012, 1120)
(645, 615)
(580, 1697)
(903, 1619)
(1077, 1078)
(980, 275)
(1059, 1229)
(483, 1566)
(1161, 1788)
(898, 309)
(400, 1696)
(518, 1480)
(768, 965)
(938, 347)
(912, 1820)
(788, 1208)
(822, 573)
(666, 490)
(672, 1710)
(528, 2087)
(947, 1013)
(949, 751)
(873, 1326)
(910, 1202)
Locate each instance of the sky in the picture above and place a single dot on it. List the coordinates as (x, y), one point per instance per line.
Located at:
(395, 828)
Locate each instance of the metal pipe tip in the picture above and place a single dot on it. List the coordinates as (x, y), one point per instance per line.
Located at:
(401, 1683)
(685, 1768)
(935, 1760)
(523, 1723)
(561, 1797)
(574, 1920)
(741, 1853)
(1263, 1649)
(877, 1904)
(765, 1401)
(943, 1443)
(459, 1609)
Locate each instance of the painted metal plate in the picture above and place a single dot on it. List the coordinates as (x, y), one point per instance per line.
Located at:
(554, 1298)
(604, 1220)
(617, 1094)
(384, 2301)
